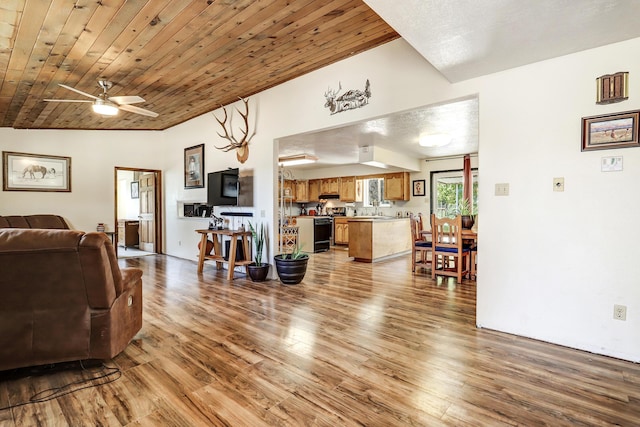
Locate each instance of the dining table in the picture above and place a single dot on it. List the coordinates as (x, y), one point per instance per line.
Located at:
(469, 235)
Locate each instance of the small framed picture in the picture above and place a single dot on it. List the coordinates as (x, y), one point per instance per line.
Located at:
(35, 172)
(135, 190)
(418, 187)
(194, 167)
(618, 130)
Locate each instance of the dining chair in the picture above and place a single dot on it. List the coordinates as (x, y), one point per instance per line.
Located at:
(474, 262)
(450, 255)
(421, 248)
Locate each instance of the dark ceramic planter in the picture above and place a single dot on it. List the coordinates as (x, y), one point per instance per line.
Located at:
(467, 221)
(291, 271)
(258, 273)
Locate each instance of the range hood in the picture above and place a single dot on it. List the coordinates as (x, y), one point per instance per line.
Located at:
(328, 196)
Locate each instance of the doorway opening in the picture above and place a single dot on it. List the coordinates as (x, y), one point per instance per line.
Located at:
(138, 212)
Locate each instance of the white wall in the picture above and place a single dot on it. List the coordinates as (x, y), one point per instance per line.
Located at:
(548, 266)
(553, 264)
(94, 156)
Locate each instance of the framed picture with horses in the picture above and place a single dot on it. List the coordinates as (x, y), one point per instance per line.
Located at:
(35, 172)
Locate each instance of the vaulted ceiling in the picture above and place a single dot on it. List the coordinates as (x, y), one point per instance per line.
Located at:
(188, 57)
(184, 58)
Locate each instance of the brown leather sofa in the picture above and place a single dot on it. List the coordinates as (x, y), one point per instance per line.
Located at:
(33, 221)
(63, 297)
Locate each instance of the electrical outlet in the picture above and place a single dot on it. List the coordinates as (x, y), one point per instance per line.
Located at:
(558, 184)
(620, 312)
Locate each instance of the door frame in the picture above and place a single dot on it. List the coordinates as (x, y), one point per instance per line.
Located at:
(158, 223)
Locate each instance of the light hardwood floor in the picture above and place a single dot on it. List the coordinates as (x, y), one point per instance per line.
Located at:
(354, 344)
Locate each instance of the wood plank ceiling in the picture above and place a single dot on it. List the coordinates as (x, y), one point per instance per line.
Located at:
(185, 58)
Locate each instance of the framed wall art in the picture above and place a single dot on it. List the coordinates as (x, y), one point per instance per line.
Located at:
(135, 189)
(194, 166)
(418, 187)
(35, 172)
(604, 132)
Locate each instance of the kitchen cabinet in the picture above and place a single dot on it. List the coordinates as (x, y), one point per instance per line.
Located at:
(314, 190)
(302, 191)
(330, 186)
(348, 189)
(373, 239)
(341, 231)
(396, 186)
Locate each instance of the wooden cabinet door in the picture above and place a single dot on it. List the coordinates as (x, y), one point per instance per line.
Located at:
(302, 191)
(330, 186)
(314, 190)
(289, 190)
(348, 189)
(338, 238)
(341, 235)
(396, 186)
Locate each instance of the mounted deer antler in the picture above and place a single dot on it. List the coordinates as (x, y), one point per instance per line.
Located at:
(243, 145)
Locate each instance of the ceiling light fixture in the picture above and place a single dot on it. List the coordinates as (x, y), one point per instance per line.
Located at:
(300, 159)
(436, 140)
(104, 108)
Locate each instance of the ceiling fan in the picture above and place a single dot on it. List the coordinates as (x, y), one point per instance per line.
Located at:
(108, 105)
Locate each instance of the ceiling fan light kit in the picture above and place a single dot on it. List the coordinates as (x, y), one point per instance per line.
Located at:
(104, 108)
(108, 105)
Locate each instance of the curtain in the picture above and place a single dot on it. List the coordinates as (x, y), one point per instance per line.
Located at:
(467, 187)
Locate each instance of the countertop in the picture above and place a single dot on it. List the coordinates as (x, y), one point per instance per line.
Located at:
(375, 218)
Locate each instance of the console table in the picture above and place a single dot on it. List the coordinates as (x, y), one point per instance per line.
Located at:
(217, 254)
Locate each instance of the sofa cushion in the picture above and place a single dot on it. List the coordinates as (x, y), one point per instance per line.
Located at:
(39, 239)
(33, 221)
(47, 221)
(17, 221)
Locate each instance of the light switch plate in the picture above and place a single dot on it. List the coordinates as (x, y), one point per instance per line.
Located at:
(502, 189)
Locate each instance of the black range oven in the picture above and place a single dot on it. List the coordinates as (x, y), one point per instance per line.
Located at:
(322, 229)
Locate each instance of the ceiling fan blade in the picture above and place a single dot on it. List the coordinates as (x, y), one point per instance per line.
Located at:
(67, 100)
(137, 110)
(78, 91)
(123, 100)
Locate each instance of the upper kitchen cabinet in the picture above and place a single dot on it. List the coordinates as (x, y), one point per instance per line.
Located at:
(302, 191)
(330, 186)
(348, 189)
(288, 189)
(396, 186)
(314, 189)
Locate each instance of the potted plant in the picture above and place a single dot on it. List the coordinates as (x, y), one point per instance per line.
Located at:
(291, 267)
(465, 211)
(258, 270)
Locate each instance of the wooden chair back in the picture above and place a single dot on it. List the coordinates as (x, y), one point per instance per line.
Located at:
(450, 256)
(420, 247)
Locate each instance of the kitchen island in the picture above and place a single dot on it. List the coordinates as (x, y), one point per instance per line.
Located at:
(375, 238)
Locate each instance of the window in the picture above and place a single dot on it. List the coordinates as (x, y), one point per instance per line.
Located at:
(374, 193)
(446, 190)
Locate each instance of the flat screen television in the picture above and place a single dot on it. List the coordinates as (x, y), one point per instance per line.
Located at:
(222, 188)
